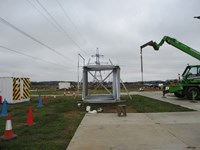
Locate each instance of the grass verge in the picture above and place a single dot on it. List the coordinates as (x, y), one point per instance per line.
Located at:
(141, 104)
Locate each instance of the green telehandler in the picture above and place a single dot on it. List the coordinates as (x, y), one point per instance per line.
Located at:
(189, 85)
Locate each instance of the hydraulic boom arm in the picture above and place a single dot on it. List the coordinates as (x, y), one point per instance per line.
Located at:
(190, 51)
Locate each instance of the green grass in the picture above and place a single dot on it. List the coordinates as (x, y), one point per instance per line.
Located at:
(143, 104)
(55, 125)
(49, 92)
(57, 122)
(91, 91)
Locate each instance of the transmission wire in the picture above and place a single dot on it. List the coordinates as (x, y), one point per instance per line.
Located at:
(68, 17)
(34, 39)
(61, 28)
(42, 14)
(35, 58)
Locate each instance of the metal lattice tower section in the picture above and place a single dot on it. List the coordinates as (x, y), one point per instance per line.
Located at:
(97, 74)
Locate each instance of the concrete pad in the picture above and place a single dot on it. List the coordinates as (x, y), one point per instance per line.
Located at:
(153, 131)
(113, 119)
(183, 125)
(188, 133)
(175, 117)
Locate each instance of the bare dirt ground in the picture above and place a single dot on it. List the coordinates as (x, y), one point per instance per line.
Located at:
(109, 108)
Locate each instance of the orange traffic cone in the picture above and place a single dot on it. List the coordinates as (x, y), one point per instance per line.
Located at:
(8, 133)
(30, 117)
(44, 100)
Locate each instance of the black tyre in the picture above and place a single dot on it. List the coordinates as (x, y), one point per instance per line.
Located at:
(192, 91)
(179, 95)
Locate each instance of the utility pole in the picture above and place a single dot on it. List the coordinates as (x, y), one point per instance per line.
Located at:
(78, 84)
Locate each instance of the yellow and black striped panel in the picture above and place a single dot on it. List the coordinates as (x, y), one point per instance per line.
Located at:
(16, 88)
(26, 88)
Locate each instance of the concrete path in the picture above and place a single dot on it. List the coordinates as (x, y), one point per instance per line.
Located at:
(141, 131)
(170, 99)
(138, 131)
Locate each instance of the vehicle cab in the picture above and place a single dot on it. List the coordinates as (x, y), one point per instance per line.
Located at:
(191, 74)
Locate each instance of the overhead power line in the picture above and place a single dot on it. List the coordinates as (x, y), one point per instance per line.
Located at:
(34, 39)
(35, 58)
(68, 17)
(61, 28)
(38, 10)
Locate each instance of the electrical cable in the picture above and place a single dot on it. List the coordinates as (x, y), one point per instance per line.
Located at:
(42, 14)
(35, 58)
(34, 39)
(61, 28)
(70, 20)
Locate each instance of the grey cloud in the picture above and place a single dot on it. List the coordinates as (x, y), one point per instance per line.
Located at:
(117, 27)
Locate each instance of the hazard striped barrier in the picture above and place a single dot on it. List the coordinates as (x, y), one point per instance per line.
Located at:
(16, 88)
(26, 88)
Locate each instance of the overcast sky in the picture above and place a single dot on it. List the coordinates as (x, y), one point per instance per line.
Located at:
(41, 39)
